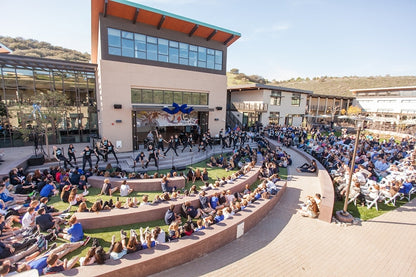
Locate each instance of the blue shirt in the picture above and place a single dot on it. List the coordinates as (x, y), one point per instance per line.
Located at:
(76, 232)
(39, 264)
(46, 190)
(214, 202)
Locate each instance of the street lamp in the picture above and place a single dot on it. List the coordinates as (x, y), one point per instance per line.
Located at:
(343, 215)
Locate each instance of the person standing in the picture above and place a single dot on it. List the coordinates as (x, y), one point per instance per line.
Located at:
(110, 149)
(97, 152)
(187, 142)
(86, 157)
(71, 153)
(171, 143)
(151, 155)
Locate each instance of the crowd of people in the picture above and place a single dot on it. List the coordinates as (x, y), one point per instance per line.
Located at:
(384, 168)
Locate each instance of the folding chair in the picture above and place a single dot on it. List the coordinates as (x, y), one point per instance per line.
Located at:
(392, 199)
(372, 202)
(408, 195)
(354, 199)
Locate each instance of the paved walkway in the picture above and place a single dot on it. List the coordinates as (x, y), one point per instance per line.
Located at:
(287, 244)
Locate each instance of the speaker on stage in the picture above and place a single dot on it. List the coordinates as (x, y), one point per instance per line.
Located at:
(38, 159)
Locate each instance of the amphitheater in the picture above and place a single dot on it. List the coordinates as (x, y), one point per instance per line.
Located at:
(271, 239)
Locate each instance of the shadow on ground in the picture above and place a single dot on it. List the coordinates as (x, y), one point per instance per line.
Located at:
(254, 240)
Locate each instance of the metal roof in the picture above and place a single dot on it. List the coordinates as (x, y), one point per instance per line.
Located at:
(261, 86)
(382, 89)
(31, 62)
(140, 13)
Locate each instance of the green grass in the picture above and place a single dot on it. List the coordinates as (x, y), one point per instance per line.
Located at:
(365, 214)
(104, 234)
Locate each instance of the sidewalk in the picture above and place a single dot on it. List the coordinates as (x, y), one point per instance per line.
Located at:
(287, 244)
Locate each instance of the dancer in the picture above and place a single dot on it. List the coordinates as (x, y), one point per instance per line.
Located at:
(86, 157)
(171, 146)
(71, 153)
(59, 156)
(110, 149)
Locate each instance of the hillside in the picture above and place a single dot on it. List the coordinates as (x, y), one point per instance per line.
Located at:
(41, 49)
(326, 85)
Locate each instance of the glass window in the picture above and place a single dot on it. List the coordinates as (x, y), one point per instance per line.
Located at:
(187, 98)
(173, 55)
(193, 58)
(158, 97)
(114, 38)
(147, 96)
(127, 49)
(275, 98)
(163, 46)
(136, 95)
(140, 42)
(204, 99)
(183, 50)
(128, 44)
(296, 99)
(114, 51)
(168, 97)
(174, 44)
(140, 55)
(202, 54)
(177, 97)
(183, 61)
(151, 40)
(195, 99)
(152, 52)
(127, 35)
(210, 61)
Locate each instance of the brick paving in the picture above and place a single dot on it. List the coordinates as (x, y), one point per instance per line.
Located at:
(287, 244)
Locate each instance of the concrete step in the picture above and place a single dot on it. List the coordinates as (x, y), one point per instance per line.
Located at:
(126, 159)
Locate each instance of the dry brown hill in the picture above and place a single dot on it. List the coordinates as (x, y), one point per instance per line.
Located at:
(327, 85)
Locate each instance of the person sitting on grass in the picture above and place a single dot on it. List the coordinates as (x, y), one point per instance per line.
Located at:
(191, 212)
(308, 168)
(75, 232)
(39, 262)
(147, 239)
(125, 189)
(49, 189)
(45, 221)
(171, 216)
(106, 188)
(56, 265)
(119, 248)
(75, 199)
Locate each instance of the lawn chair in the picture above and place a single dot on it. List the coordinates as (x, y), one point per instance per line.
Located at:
(392, 199)
(372, 202)
(354, 199)
(408, 195)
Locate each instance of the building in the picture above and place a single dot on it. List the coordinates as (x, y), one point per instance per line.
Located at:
(325, 109)
(25, 79)
(265, 104)
(390, 109)
(156, 70)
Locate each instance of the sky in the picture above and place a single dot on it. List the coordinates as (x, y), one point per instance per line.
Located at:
(281, 39)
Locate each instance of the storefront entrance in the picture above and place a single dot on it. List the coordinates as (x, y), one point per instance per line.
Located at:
(168, 125)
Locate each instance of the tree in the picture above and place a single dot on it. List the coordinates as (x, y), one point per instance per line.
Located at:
(43, 118)
(353, 110)
(234, 71)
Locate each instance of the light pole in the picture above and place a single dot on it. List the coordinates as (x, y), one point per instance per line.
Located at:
(347, 193)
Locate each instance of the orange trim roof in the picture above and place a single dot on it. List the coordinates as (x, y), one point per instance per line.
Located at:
(147, 15)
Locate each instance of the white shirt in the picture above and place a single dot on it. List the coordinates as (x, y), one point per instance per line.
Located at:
(28, 220)
(124, 190)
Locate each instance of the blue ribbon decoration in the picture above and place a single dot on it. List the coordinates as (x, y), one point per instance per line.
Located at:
(176, 108)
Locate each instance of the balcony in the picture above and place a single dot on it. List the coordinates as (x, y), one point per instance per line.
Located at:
(250, 107)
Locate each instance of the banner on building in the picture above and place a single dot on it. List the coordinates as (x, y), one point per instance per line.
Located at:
(163, 119)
